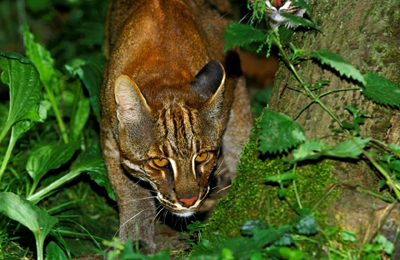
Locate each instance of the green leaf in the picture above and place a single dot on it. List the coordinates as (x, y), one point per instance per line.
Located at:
(41, 58)
(278, 133)
(90, 74)
(29, 215)
(251, 225)
(381, 90)
(302, 4)
(307, 225)
(348, 235)
(388, 246)
(298, 21)
(348, 149)
(309, 150)
(241, 35)
(48, 157)
(91, 161)
(54, 252)
(395, 149)
(25, 88)
(337, 63)
(292, 254)
(80, 118)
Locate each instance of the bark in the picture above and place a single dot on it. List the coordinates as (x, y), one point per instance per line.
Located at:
(365, 33)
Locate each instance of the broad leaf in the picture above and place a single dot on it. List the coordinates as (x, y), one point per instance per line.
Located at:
(54, 252)
(41, 58)
(278, 133)
(307, 225)
(90, 74)
(25, 88)
(91, 161)
(348, 149)
(298, 21)
(48, 157)
(395, 149)
(241, 35)
(29, 215)
(309, 150)
(381, 90)
(302, 4)
(79, 120)
(337, 63)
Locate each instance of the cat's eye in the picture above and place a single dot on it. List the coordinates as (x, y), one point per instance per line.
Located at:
(160, 162)
(202, 157)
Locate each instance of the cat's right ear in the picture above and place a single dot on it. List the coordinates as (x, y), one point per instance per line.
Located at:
(131, 102)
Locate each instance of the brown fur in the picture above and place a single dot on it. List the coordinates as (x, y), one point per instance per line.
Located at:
(165, 96)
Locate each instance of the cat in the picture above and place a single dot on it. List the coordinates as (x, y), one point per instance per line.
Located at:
(173, 107)
(276, 7)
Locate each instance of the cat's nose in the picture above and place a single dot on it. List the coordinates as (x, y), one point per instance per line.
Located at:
(188, 202)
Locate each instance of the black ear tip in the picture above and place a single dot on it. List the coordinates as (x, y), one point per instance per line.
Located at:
(209, 79)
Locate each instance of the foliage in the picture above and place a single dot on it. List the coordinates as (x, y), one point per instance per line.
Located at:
(49, 143)
(65, 153)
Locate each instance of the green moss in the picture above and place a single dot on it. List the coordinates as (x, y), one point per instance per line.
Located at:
(251, 198)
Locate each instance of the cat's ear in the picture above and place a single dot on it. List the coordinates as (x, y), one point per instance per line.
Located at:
(209, 82)
(131, 103)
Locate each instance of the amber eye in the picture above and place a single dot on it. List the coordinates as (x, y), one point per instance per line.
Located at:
(160, 162)
(202, 157)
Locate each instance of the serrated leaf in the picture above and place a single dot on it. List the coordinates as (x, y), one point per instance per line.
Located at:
(337, 63)
(307, 225)
(302, 4)
(48, 157)
(278, 133)
(237, 34)
(348, 149)
(381, 90)
(309, 150)
(298, 21)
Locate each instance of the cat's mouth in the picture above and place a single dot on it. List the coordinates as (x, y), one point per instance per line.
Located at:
(181, 209)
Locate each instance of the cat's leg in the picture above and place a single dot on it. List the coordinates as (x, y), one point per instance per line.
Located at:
(238, 129)
(135, 203)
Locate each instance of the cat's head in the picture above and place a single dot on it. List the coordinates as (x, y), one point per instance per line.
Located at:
(174, 146)
(277, 7)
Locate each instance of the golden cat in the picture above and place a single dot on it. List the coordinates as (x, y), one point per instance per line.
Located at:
(172, 105)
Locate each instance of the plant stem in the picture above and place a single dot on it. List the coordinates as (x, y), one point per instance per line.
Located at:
(40, 194)
(389, 180)
(7, 156)
(295, 188)
(57, 113)
(308, 91)
(39, 249)
(337, 90)
(5, 131)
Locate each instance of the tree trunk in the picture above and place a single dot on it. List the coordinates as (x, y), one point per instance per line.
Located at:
(365, 33)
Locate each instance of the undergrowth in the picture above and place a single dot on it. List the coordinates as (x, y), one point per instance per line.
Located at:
(48, 138)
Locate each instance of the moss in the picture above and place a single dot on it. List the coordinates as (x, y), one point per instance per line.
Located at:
(251, 198)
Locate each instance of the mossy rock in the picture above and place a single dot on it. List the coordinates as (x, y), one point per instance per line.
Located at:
(252, 198)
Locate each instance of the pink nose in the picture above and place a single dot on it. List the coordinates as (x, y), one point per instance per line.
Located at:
(188, 202)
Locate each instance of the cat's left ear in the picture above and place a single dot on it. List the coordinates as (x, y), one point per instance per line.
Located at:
(210, 80)
(209, 84)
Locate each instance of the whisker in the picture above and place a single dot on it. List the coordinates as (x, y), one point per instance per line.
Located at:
(157, 213)
(135, 200)
(128, 221)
